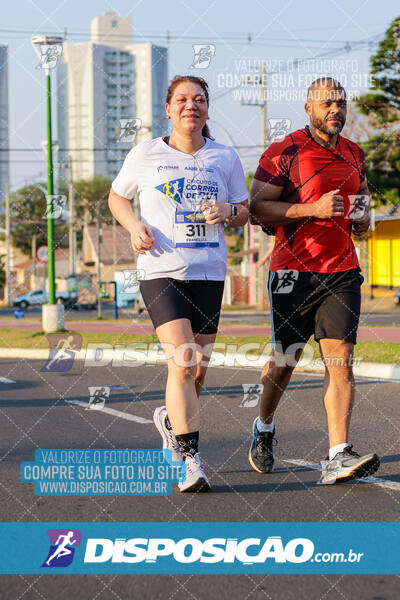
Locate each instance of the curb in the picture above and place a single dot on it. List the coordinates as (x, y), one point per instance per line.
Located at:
(103, 356)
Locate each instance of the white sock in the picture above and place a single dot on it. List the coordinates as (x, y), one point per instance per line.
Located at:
(265, 426)
(335, 449)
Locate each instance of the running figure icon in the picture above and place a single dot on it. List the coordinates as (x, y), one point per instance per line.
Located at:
(176, 191)
(62, 348)
(62, 549)
(287, 279)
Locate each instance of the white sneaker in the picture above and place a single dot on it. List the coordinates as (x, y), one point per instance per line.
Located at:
(169, 440)
(196, 480)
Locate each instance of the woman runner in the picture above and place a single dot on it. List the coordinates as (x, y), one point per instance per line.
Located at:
(189, 186)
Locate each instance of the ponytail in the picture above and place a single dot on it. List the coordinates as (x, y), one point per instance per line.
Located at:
(205, 132)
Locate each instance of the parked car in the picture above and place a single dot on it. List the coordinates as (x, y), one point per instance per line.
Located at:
(397, 297)
(37, 297)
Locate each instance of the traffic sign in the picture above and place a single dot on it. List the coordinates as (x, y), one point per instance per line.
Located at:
(42, 253)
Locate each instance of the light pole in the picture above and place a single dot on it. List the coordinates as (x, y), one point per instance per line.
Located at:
(262, 271)
(49, 48)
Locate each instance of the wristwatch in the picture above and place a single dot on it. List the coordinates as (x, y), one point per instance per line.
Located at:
(233, 213)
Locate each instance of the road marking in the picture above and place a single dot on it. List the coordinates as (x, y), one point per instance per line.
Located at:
(111, 411)
(5, 380)
(385, 483)
(120, 387)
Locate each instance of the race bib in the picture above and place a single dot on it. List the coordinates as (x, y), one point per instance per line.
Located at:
(191, 230)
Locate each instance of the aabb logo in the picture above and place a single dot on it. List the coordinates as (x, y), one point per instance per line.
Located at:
(62, 547)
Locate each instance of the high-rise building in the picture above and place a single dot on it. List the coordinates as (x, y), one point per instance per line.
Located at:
(151, 89)
(104, 88)
(4, 126)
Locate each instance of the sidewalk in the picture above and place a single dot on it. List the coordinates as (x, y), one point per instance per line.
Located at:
(365, 334)
(375, 371)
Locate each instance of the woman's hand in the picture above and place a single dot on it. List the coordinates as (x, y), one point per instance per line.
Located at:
(142, 238)
(215, 212)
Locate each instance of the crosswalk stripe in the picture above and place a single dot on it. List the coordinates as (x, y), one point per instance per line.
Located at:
(111, 411)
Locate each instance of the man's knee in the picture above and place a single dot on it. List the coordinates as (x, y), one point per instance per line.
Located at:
(339, 356)
(200, 376)
(331, 347)
(276, 372)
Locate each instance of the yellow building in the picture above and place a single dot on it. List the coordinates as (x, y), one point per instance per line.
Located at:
(384, 251)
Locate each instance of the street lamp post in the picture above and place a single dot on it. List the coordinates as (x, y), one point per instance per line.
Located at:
(48, 49)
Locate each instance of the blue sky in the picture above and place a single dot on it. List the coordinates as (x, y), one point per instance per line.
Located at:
(280, 32)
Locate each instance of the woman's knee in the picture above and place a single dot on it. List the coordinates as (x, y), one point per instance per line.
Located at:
(182, 373)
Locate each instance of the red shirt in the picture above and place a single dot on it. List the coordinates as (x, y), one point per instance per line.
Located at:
(307, 170)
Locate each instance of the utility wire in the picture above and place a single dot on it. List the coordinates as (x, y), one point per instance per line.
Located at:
(245, 39)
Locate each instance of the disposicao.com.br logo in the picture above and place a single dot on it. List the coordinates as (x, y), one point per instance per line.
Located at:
(188, 550)
(157, 548)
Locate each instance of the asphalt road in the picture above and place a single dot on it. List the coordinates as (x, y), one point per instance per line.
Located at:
(34, 414)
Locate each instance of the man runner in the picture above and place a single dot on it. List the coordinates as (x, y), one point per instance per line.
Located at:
(309, 187)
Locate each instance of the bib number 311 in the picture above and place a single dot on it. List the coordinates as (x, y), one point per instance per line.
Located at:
(191, 231)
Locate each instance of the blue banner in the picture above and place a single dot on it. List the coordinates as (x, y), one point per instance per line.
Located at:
(206, 548)
(88, 472)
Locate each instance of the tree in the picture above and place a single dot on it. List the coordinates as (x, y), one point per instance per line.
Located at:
(2, 270)
(28, 218)
(91, 203)
(248, 179)
(382, 106)
(383, 101)
(235, 237)
(91, 196)
(359, 127)
(28, 211)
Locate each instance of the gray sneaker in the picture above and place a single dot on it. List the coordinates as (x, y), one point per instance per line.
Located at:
(348, 465)
(261, 453)
(169, 440)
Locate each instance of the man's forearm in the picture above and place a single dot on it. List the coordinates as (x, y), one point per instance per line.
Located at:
(270, 212)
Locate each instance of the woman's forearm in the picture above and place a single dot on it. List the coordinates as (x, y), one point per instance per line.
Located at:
(241, 218)
(121, 209)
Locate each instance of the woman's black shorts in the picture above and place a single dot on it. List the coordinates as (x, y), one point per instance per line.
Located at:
(168, 299)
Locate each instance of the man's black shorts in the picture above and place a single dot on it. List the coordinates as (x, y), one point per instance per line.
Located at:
(168, 299)
(324, 304)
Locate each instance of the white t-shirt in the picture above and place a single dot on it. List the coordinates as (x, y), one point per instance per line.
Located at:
(167, 180)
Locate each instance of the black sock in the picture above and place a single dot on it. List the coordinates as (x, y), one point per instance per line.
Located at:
(168, 424)
(188, 443)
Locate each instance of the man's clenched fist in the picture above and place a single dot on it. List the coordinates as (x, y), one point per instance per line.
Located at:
(328, 206)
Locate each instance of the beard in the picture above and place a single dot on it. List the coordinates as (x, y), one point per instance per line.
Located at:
(326, 127)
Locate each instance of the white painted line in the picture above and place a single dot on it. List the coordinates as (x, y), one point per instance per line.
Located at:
(386, 483)
(111, 411)
(5, 380)
(120, 387)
